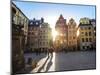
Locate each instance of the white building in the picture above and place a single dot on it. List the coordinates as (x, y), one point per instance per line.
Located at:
(33, 33)
(72, 35)
(45, 37)
(93, 22)
(86, 34)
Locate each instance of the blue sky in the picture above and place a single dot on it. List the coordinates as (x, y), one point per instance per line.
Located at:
(51, 12)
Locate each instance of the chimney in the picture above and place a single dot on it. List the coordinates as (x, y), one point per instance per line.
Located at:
(42, 20)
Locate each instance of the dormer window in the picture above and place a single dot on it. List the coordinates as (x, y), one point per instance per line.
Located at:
(36, 23)
(31, 23)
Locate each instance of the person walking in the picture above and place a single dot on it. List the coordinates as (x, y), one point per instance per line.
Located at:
(51, 52)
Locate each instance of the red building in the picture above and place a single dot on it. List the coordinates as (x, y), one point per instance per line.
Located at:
(61, 38)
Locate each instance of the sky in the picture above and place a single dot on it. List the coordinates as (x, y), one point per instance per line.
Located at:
(51, 11)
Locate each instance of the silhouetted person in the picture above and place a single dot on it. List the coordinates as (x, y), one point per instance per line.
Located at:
(48, 53)
(29, 61)
(51, 52)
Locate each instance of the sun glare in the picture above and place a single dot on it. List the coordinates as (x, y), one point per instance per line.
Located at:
(78, 32)
(54, 34)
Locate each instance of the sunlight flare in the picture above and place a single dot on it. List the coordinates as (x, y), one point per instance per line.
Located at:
(78, 33)
(54, 34)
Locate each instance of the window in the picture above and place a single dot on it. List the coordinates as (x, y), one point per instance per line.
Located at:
(43, 36)
(85, 28)
(82, 32)
(41, 31)
(82, 39)
(90, 39)
(31, 29)
(29, 33)
(89, 28)
(95, 33)
(31, 23)
(83, 47)
(89, 33)
(47, 43)
(74, 37)
(40, 43)
(36, 23)
(86, 39)
(87, 47)
(36, 33)
(69, 42)
(86, 34)
(14, 18)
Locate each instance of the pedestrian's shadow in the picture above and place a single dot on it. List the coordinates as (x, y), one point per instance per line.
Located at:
(49, 64)
(42, 65)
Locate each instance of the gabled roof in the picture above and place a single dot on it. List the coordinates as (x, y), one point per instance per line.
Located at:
(61, 19)
(61, 16)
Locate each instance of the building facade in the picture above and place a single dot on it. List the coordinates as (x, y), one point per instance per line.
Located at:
(61, 38)
(85, 34)
(72, 35)
(45, 37)
(19, 38)
(33, 34)
(19, 18)
(93, 22)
